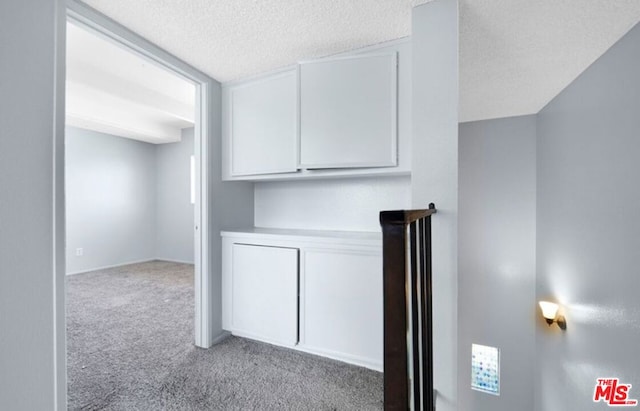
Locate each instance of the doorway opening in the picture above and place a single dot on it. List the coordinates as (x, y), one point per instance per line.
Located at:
(191, 129)
(88, 19)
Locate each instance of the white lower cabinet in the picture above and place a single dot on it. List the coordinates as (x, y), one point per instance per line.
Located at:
(264, 288)
(312, 291)
(341, 305)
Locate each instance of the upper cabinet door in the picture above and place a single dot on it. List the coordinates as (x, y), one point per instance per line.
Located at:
(264, 126)
(348, 112)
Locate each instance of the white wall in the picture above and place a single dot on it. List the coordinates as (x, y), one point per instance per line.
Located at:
(589, 231)
(346, 204)
(496, 246)
(111, 200)
(174, 211)
(31, 267)
(434, 175)
(127, 201)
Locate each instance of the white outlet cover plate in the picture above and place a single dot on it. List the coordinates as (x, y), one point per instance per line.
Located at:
(485, 369)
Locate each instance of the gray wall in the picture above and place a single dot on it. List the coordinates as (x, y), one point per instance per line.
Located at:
(31, 217)
(434, 175)
(230, 207)
(111, 200)
(127, 201)
(589, 231)
(174, 211)
(496, 246)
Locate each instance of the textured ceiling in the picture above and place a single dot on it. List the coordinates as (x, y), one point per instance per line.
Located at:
(232, 39)
(515, 55)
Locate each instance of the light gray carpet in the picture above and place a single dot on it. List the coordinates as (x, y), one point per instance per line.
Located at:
(130, 347)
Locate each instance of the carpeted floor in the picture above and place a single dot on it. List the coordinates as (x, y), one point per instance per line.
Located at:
(130, 347)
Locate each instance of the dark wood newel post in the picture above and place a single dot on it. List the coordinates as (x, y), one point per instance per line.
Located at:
(408, 354)
(395, 319)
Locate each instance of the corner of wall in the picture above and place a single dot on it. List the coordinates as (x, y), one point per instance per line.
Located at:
(434, 175)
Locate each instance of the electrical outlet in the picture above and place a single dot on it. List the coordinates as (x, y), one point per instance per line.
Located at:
(79, 252)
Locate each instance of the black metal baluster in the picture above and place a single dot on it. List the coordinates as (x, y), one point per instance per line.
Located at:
(428, 298)
(415, 315)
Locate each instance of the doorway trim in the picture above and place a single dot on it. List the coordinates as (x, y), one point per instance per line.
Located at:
(92, 20)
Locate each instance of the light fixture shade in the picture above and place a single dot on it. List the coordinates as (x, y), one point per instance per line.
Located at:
(549, 310)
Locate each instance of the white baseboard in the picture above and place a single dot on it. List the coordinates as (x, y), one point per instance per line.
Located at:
(129, 263)
(170, 260)
(111, 266)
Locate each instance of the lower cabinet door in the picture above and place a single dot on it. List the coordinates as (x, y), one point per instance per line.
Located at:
(342, 307)
(265, 293)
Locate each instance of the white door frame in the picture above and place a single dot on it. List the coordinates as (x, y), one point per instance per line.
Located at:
(87, 17)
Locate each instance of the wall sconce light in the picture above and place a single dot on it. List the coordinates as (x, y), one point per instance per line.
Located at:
(550, 314)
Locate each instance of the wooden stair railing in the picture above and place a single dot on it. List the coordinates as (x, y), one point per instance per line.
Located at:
(408, 328)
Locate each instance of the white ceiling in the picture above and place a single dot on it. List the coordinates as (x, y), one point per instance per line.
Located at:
(112, 90)
(515, 55)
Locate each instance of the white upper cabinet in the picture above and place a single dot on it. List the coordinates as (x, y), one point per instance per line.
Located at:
(263, 126)
(342, 116)
(348, 112)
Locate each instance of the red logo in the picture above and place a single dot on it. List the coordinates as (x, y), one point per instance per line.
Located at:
(613, 393)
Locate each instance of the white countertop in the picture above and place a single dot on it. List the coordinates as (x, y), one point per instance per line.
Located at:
(356, 237)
